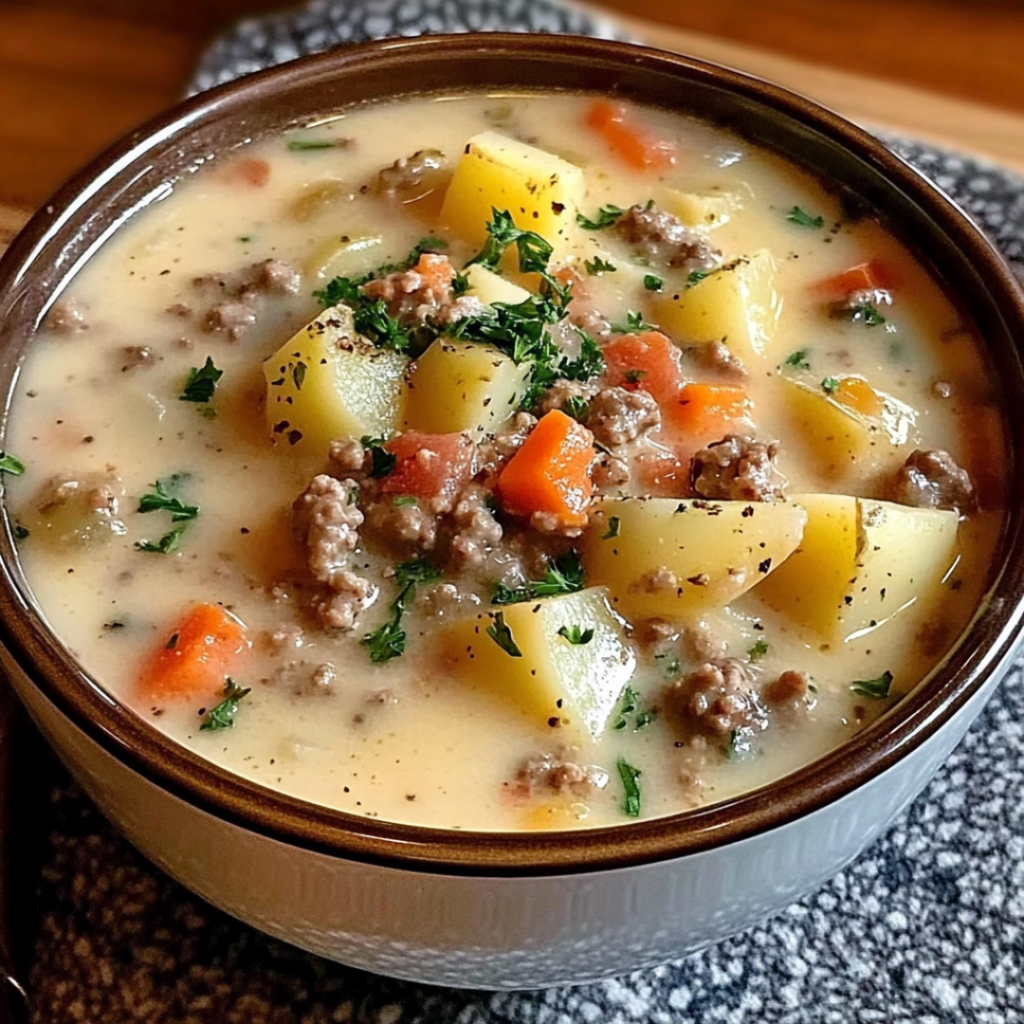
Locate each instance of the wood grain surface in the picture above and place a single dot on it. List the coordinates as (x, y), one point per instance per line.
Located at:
(76, 74)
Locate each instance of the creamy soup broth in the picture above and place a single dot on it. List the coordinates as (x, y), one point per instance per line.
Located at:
(419, 737)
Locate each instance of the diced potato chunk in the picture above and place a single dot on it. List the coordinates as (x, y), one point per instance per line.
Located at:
(327, 382)
(860, 563)
(843, 430)
(703, 212)
(666, 558)
(490, 287)
(541, 191)
(463, 385)
(576, 686)
(737, 304)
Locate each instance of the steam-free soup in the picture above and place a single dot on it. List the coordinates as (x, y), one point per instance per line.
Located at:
(504, 462)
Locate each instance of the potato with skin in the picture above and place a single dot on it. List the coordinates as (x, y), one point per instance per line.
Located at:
(736, 304)
(328, 382)
(671, 559)
(560, 660)
(541, 191)
(861, 562)
(462, 386)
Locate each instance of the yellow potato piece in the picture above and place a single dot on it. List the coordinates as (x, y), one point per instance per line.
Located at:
(541, 191)
(327, 382)
(668, 558)
(737, 304)
(702, 212)
(573, 688)
(839, 432)
(489, 287)
(862, 562)
(462, 385)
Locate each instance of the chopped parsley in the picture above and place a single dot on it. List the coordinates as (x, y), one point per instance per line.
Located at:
(564, 576)
(653, 283)
(382, 462)
(388, 641)
(11, 464)
(606, 217)
(598, 266)
(160, 499)
(21, 532)
(304, 145)
(867, 314)
(830, 385)
(798, 359)
(576, 407)
(630, 777)
(222, 716)
(575, 635)
(165, 545)
(634, 322)
(804, 220)
(613, 528)
(759, 649)
(499, 632)
(876, 688)
(696, 276)
(629, 708)
(402, 500)
(634, 376)
(202, 382)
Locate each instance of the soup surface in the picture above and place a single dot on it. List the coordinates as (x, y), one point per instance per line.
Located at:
(504, 462)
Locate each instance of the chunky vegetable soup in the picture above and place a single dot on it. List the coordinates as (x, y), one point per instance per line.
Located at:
(506, 462)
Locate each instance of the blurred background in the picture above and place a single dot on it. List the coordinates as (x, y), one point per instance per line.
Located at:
(76, 74)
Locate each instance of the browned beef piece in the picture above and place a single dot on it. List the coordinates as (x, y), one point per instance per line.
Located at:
(238, 296)
(609, 473)
(411, 177)
(788, 693)
(618, 416)
(327, 518)
(136, 355)
(663, 238)
(931, 479)
(556, 396)
(553, 774)
(717, 699)
(857, 305)
(717, 357)
(737, 468)
(477, 532)
(698, 643)
(272, 277)
(347, 596)
(409, 297)
(67, 317)
(350, 456)
(232, 318)
(406, 528)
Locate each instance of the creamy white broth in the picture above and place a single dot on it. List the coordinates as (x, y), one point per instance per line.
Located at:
(410, 740)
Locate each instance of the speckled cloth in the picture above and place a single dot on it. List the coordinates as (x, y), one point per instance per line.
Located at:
(927, 927)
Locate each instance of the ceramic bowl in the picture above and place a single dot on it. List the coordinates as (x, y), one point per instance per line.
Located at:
(499, 910)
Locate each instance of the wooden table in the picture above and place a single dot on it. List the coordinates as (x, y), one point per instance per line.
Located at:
(75, 74)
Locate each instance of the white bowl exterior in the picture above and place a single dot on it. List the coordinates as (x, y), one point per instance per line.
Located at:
(489, 932)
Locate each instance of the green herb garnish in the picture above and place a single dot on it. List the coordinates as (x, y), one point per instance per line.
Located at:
(575, 635)
(202, 382)
(388, 641)
(160, 499)
(629, 707)
(631, 785)
(696, 276)
(759, 649)
(606, 217)
(304, 145)
(499, 632)
(402, 500)
(21, 532)
(868, 314)
(830, 385)
(634, 322)
(634, 376)
(565, 576)
(576, 407)
(222, 716)
(598, 266)
(165, 545)
(876, 688)
(798, 359)
(382, 462)
(653, 283)
(11, 464)
(613, 528)
(804, 220)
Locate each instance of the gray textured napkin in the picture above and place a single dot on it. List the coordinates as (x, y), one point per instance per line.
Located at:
(927, 927)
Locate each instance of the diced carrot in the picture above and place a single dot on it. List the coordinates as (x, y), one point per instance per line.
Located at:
(436, 270)
(647, 361)
(632, 143)
(706, 412)
(861, 278)
(196, 656)
(550, 471)
(247, 170)
(429, 465)
(858, 395)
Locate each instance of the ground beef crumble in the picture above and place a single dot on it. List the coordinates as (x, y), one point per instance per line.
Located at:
(737, 468)
(932, 479)
(618, 416)
(663, 238)
(551, 773)
(716, 700)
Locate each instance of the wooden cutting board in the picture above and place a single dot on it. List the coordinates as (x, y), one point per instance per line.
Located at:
(969, 127)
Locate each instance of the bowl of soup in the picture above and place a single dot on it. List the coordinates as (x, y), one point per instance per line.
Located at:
(506, 511)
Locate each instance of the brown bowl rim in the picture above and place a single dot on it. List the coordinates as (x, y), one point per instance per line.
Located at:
(983, 652)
